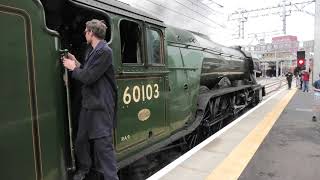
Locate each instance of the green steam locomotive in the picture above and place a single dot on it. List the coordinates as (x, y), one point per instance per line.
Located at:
(170, 82)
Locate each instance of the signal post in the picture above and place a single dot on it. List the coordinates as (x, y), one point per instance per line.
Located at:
(301, 60)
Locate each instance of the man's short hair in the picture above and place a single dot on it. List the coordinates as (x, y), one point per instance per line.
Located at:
(97, 27)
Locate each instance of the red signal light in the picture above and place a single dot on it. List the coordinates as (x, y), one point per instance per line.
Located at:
(300, 61)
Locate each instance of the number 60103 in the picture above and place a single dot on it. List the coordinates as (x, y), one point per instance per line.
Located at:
(140, 93)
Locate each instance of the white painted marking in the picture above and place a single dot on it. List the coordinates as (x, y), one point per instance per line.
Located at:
(188, 154)
(304, 110)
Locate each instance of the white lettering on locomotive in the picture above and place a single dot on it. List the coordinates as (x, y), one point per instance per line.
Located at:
(125, 138)
(140, 93)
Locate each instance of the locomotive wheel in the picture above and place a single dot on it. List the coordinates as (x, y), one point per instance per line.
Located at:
(208, 114)
(197, 136)
(217, 109)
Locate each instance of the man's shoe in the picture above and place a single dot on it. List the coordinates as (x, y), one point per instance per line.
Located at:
(79, 175)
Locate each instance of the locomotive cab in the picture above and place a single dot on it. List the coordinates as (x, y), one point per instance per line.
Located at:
(139, 61)
(69, 19)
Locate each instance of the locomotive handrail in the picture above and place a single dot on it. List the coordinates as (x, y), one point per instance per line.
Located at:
(64, 53)
(172, 43)
(184, 68)
(153, 72)
(209, 50)
(194, 47)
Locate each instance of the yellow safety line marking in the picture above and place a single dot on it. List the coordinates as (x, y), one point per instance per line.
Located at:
(232, 166)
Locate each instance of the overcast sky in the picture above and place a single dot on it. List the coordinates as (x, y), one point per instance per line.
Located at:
(207, 17)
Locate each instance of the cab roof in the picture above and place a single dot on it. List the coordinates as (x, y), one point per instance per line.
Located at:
(121, 8)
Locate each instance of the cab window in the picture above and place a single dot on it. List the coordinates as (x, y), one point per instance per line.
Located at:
(130, 34)
(154, 46)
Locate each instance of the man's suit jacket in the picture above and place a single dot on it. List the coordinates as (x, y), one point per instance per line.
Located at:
(99, 90)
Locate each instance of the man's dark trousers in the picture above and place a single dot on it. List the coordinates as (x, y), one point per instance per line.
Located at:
(104, 160)
(289, 84)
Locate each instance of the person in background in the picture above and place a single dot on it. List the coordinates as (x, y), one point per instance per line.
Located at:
(316, 99)
(305, 78)
(289, 76)
(300, 81)
(296, 75)
(297, 81)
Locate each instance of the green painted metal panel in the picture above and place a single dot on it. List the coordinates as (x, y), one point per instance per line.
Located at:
(134, 82)
(16, 147)
(193, 58)
(51, 99)
(216, 66)
(141, 111)
(179, 106)
(181, 36)
(43, 57)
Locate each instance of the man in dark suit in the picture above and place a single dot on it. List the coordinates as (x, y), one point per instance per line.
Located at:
(99, 100)
(289, 76)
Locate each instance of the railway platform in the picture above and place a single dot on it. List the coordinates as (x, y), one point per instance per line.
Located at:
(275, 140)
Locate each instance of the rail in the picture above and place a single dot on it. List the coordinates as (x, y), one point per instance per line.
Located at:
(275, 85)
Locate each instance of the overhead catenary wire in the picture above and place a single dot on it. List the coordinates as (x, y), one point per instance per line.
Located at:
(157, 15)
(284, 9)
(215, 3)
(166, 16)
(199, 14)
(177, 12)
(207, 7)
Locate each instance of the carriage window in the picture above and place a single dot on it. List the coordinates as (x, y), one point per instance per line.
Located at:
(130, 33)
(154, 43)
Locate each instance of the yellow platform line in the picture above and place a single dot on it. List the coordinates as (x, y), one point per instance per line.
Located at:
(232, 166)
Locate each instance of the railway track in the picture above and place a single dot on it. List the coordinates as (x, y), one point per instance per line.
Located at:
(273, 85)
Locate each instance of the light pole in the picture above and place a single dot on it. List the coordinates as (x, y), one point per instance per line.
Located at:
(316, 58)
(277, 63)
(281, 71)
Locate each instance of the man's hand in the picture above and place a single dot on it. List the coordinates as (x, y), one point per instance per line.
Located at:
(69, 63)
(71, 56)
